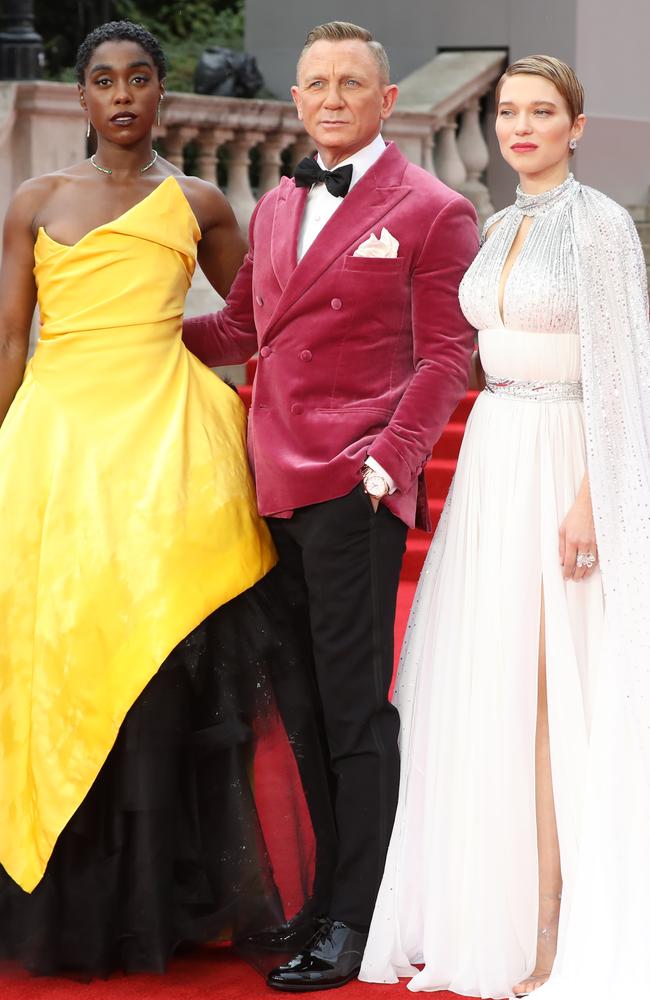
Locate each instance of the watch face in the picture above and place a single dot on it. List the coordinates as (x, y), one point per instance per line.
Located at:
(375, 485)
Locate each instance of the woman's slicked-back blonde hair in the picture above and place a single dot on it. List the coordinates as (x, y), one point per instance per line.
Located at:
(558, 72)
(344, 31)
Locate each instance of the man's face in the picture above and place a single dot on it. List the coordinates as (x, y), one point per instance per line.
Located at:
(340, 97)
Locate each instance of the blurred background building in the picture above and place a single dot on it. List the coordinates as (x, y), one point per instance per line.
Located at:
(606, 41)
(446, 56)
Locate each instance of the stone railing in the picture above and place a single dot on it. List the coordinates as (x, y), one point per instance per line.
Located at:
(41, 129)
(439, 126)
(203, 126)
(451, 91)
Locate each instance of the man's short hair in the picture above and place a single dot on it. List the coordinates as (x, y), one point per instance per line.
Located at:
(343, 31)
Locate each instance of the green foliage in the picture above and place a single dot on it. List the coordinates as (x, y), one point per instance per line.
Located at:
(63, 26)
(186, 29)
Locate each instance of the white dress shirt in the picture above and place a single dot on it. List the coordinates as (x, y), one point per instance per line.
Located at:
(320, 206)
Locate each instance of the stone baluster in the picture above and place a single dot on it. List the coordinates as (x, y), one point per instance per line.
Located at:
(427, 152)
(271, 162)
(449, 165)
(209, 141)
(176, 139)
(240, 193)
(475, 155)
(303, 146)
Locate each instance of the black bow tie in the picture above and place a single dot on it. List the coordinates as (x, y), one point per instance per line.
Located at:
(336, 181)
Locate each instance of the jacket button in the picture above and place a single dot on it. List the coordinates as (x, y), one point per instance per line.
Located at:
(336, 303)
(305, 355)
(264, 352)
(259, 300)
(296, 408)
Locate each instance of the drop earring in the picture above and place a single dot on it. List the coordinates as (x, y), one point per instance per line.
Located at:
(573, 143)
(158, 111)
(88, 128)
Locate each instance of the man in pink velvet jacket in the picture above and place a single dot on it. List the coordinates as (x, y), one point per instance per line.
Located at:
(349, 292)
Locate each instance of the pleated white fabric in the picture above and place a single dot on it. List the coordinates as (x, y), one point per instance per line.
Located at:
(459, 893)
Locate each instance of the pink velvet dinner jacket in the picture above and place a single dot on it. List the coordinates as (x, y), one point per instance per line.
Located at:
(357, 355)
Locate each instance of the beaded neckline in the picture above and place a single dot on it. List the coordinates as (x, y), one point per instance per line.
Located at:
(536, 204)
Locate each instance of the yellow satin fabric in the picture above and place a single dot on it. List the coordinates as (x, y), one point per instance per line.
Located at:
(127, 511)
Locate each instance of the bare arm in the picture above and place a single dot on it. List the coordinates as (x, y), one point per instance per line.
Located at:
(229, 336)
(17, 293)
(222, 247)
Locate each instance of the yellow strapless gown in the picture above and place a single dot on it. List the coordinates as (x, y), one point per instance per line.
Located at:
(127, 511)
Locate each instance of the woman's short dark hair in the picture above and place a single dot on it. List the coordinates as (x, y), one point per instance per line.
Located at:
(120, 31)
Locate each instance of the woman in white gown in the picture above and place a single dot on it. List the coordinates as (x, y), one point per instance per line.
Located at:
(522, 825)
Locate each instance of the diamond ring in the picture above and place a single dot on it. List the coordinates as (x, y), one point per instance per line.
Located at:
(585, 560)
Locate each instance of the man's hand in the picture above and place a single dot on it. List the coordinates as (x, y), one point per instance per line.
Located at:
(375, 485)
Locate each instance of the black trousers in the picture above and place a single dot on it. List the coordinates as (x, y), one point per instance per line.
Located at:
(339, 571)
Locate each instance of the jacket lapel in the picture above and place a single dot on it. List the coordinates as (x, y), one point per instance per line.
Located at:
(368, 202)
(289, 209)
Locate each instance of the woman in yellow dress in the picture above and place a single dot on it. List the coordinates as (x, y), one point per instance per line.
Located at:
(135, 666)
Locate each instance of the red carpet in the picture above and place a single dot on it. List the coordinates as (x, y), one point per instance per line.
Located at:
(213, 973)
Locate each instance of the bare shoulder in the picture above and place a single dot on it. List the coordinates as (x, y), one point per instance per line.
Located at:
(29, 197)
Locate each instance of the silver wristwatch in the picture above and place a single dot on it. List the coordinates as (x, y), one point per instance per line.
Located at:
(374, 484)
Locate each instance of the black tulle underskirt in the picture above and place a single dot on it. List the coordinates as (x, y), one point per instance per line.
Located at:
(196, 828)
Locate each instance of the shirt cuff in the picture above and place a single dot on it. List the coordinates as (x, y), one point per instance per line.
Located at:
(376, 467)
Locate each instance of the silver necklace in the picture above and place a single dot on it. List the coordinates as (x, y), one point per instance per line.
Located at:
(105, 170)
(535, 204)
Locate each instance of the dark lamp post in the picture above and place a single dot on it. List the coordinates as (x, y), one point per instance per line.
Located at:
(21, 48)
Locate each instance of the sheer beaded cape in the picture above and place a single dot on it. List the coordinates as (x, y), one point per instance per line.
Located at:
(608, 912)
(615, 347)
(605, 264)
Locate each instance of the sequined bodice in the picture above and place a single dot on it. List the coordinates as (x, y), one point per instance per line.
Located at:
(540, 294)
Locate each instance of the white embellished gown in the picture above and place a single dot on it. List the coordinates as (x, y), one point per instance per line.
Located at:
(459, 895)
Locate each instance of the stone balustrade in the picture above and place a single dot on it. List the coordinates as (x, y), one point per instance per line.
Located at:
(439, 125)
(451, 90)
(442, 134)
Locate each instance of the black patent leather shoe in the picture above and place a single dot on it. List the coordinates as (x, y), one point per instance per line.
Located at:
(286, 938)
(330, 959)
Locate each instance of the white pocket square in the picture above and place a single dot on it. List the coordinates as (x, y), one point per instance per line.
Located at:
(386, 246)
